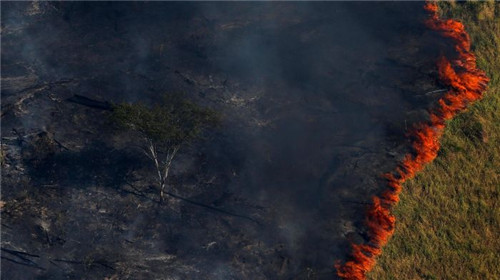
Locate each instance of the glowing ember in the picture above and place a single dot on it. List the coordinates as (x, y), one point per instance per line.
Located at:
(466, 84)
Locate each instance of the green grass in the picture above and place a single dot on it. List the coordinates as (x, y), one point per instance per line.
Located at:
(449, 215)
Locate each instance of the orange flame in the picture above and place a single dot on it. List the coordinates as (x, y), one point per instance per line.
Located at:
(466, 83)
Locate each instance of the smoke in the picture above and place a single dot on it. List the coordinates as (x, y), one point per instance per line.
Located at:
(466, 84)
(309, 92)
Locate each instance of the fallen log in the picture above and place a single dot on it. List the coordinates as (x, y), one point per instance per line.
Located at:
(92, 103)
(23, 258)
(212, 208)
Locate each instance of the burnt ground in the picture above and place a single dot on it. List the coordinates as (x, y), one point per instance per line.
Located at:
(316, 99)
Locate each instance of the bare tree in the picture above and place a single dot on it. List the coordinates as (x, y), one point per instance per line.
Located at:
(164, 129)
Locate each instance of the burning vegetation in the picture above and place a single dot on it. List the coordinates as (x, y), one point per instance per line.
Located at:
(466, 84)
(310, 120)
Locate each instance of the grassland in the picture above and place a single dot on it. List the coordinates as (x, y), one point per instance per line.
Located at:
(449, 215)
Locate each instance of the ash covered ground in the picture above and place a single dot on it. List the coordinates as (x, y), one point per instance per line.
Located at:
(316, 99)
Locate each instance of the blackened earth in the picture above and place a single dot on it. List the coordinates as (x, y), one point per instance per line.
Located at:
(316, 99)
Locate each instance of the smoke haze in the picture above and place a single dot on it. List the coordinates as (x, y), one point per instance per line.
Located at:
(315, 97)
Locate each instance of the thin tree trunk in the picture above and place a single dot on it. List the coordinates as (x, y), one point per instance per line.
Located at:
(154, 157)
(170, 158)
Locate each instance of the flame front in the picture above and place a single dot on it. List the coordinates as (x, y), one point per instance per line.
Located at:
(466, 84)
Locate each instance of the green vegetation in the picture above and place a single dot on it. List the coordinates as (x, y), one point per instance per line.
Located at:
(449, 215)
(164, 129)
